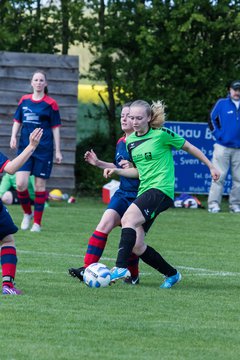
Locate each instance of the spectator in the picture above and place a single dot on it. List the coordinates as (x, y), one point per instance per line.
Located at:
(225, 126)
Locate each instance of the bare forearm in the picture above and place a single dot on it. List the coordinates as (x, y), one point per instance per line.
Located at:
(129, 172)
(103, 164)
(193, 150)
(15, 164)
(56, 136)
(12, 166)
(15, 128)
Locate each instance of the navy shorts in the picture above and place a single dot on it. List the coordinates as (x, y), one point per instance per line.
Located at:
(37, 167)
(120, 201)
(7, 226)
(151, 203)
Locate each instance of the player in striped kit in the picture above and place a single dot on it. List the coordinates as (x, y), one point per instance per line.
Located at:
(8, 252)
(36, 110)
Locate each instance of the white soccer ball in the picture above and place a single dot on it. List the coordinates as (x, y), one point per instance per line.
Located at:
(97, 275)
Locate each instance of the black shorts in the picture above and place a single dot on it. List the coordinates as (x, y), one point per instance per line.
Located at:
(151, 203)
(15, 197)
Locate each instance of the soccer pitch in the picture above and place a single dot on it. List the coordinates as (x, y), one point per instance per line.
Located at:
(60, 318)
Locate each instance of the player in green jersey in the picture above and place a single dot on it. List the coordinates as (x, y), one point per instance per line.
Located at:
(150, 148)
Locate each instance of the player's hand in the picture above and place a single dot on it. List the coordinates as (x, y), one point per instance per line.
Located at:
(35, 137)
(58, 157)
(215, 173)
(125, 164)
(13, 142)
(91, 157)
(107, 173)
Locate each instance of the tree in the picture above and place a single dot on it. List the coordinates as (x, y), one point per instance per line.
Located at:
(41, 26)
(104, 26)
(68, 17)
(183, 52)
(200, 56)
(99, 35)
(25, 27)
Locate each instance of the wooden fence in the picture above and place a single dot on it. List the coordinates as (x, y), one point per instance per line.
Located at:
(62, 72)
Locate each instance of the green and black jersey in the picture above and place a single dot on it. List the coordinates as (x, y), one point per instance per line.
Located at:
(152, 155)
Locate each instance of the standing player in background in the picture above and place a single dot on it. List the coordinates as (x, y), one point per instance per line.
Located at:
(150, 148)
(8, 252)
(225, 126)
(36, 110)
(119, 203)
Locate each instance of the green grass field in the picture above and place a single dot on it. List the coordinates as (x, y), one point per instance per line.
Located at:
(60, 318)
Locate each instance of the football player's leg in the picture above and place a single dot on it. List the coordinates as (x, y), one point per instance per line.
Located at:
(8, 253)
(23, 197)
(98, 240)
(42, 171)
(39, 202)
(131, 220)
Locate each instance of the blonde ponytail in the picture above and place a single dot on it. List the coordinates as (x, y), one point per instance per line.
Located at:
(157, 114)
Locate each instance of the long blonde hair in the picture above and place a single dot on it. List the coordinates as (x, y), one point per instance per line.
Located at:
(157, 114)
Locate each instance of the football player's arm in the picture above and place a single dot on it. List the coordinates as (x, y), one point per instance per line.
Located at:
(56, 136)
(193, 150)
(12, 166)
(129, 172)
(15, 128)
(125, 164)
(92, 159)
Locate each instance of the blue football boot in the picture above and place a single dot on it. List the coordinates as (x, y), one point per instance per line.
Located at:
(170, 281)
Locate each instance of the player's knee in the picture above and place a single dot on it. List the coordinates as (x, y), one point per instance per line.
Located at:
(105, 227)
(8, 240)
(139, 248)
(21, 186)
(7, 198)
(128, 220)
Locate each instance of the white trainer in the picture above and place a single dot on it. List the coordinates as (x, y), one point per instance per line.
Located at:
(26, 221)
(214, 208)
(36, 228)
(234, 208)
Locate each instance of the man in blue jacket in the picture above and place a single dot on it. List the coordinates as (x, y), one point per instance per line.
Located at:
(225, 127)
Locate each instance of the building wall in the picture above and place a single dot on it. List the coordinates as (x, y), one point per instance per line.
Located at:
(62, 72)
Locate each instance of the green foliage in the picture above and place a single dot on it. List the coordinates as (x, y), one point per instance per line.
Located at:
(92, 133)
(27, 27)
(91, 119)
(184, 52)
(89, 179)
(30, 26)
(60, 318)
(68, 17)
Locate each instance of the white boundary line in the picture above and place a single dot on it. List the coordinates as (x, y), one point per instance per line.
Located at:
(190, 271)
